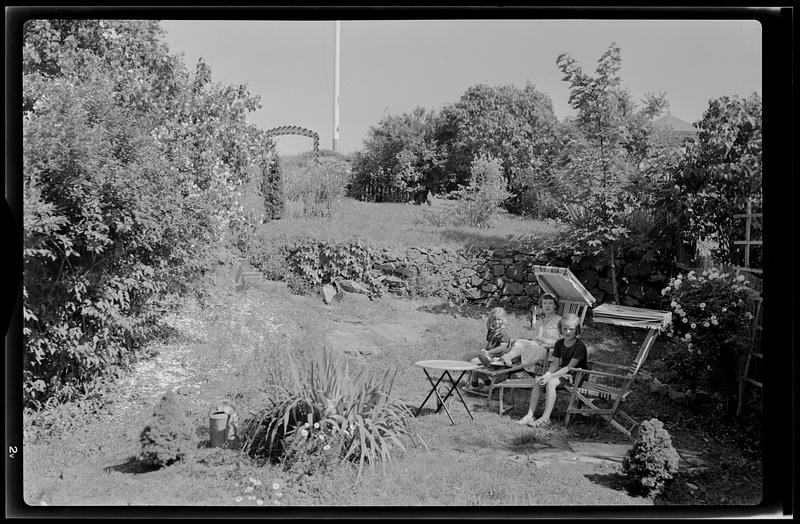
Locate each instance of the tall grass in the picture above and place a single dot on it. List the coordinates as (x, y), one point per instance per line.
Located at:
(356, 415)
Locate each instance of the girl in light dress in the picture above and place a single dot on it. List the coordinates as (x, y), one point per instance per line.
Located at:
(547, 330)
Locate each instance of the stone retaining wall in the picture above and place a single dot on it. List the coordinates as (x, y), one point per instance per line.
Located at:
(504, 276)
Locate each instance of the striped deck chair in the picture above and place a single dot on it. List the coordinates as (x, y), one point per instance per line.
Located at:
(572, 298)
(610, 384)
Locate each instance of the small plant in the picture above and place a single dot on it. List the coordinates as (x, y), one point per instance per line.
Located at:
(331, 418)
(652, 461)
(476, 204)
(325, 262)
(170, 436)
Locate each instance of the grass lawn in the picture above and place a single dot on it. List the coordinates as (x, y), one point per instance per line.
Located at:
(235, 346)
(403, 225)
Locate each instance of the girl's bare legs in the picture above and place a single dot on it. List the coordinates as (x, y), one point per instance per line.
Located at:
(536, 392)
(549, 402)
(511, 354)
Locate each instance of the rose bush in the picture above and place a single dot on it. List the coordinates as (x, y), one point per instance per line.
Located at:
(711, 321)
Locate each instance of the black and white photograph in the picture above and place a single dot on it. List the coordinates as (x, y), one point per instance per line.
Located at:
(464, 263)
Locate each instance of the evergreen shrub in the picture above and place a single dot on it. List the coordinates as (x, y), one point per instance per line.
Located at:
(170, 436)
(652, 461)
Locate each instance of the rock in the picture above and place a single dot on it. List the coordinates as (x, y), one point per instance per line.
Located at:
(489, 288)
(513, 288)
(628, 300)
(393, 281)
(354, 297)
(635, 291)
(328, 293)
(530, 277)
(589, 278)
(476, 281)
(657, 387)
(636, 268)
(473, 293)
(532, 290)
(691, 486)
(605, 285)
(498, 270)
(677, 396)
(384, 267)
(352, 286)
(516, 272)
(405, 271)
(598, 295)
(507, 261)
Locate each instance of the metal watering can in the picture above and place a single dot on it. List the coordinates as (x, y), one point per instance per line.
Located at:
(222, 424)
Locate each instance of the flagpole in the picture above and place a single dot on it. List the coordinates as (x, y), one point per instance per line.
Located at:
(336, 87)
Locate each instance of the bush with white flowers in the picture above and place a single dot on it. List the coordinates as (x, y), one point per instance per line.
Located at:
(711, 322)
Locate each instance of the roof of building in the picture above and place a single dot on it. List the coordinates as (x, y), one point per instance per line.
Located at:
(674, 124)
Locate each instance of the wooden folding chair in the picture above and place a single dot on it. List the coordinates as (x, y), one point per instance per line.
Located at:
(572, 298)
(609, 383)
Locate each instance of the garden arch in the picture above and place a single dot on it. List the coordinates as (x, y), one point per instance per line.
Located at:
(296, 130)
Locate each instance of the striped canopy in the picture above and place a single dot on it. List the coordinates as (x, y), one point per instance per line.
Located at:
(632, 316)
(560, 281)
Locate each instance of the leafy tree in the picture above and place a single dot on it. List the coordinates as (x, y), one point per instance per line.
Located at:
(604, 158)
(515, 126)
(132, 169)
(719, 172)
(400, 159)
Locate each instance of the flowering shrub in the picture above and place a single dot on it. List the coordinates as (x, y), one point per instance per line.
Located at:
(711, 321)
(652, 460)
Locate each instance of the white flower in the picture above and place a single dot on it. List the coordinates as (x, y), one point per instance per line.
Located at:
(256, 482)
(673, 304)
(326, 447)
(238, 499)
(687, 336)
(276, 485)
(248, 489)
(259, 502)
(705, 324)
(304, 433)
(715, 321)
(724, 309)
(684, 320)
(740, 278)
(692, 325)
(702, 305)
(316, 425)
(305, 425)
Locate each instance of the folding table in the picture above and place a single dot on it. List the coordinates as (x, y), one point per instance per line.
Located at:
(445, 366)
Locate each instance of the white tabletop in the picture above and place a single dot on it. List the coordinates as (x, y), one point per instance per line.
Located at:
(450, 365)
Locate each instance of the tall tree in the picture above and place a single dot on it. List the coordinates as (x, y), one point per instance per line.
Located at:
(515, 126)
(718, 174)
(612, 138)
(132, 168)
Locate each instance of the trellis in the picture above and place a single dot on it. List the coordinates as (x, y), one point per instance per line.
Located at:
(754, 350)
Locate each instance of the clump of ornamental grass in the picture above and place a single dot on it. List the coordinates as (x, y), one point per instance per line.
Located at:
(652, 461)
(332, 418)
(170, 436)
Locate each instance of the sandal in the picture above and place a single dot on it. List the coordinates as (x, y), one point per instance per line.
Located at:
(527, 419)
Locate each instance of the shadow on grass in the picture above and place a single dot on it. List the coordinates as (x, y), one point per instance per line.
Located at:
(615, 481)
(133, 465)
(447, 308)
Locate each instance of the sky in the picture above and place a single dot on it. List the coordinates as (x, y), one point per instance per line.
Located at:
(389, 67)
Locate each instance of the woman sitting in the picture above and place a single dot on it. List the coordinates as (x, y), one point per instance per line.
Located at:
(547, 330)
